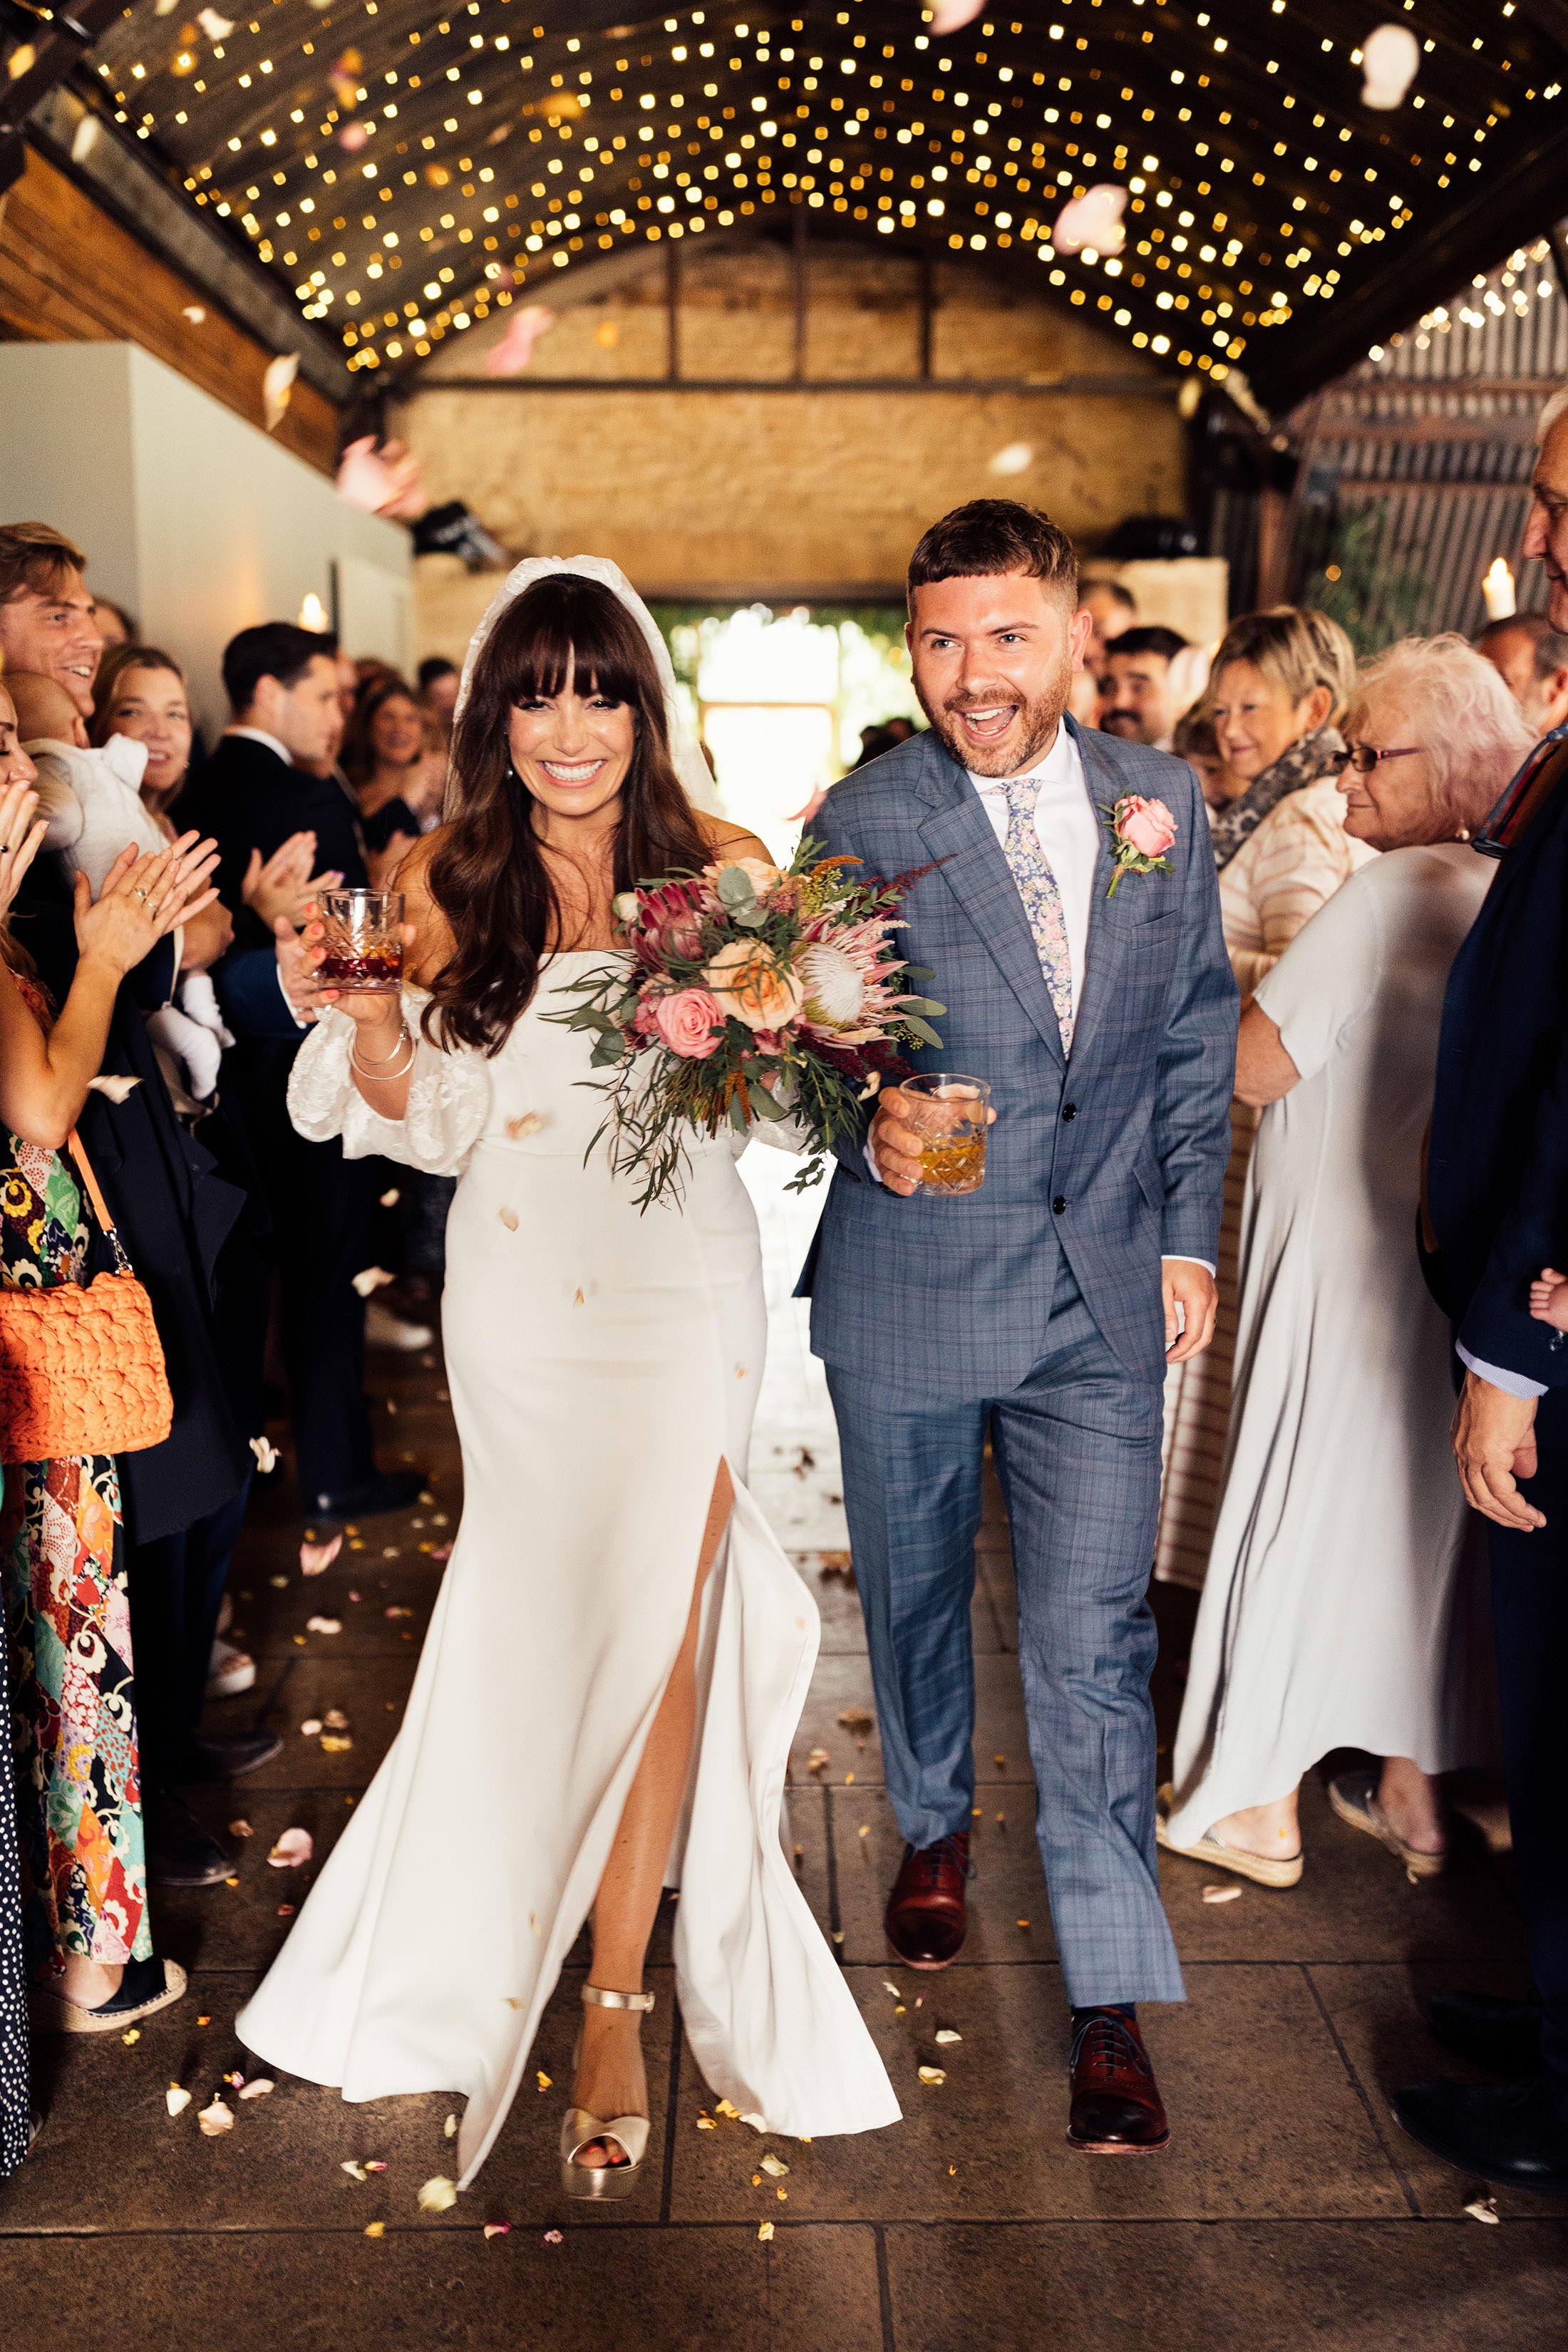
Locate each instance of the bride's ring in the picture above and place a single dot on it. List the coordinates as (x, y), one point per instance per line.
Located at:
(141, 894)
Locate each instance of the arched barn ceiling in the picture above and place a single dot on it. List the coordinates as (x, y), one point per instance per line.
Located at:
(402, 171)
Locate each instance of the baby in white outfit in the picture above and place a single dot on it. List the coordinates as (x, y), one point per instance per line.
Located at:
(93, 802)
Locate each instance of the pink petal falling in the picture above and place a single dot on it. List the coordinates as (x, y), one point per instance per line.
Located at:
(1092, 223)
(515, 349)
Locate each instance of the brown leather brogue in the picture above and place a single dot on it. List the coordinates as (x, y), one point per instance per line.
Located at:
(927, 1916)
(1116, 2105)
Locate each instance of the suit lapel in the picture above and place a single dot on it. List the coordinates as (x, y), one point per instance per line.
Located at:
(975, 868)
(1111, 920)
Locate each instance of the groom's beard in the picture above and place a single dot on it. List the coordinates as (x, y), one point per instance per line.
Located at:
(1025, 742)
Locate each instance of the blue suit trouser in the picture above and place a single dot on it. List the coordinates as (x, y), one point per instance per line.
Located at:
(1076, 1448)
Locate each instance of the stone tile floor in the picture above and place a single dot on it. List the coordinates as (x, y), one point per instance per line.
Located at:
(1291, 2212)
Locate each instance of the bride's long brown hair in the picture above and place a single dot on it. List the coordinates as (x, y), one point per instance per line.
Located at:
(488, 875)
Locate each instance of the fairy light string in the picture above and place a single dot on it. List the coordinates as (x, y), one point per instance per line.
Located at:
(408, 172)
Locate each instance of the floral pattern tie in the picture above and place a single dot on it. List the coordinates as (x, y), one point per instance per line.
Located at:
(1042, 899)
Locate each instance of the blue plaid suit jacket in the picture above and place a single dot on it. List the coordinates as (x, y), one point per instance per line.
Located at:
(951, 1297)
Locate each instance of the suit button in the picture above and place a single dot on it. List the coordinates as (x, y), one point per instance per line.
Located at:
(1069, 1110)
(1058, 1205)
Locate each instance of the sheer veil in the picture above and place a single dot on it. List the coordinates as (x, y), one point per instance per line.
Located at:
(685, 751)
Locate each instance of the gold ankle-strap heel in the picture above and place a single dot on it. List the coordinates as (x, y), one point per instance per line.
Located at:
(579, 2129)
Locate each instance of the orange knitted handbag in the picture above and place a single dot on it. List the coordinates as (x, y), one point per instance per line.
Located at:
(82, 1365)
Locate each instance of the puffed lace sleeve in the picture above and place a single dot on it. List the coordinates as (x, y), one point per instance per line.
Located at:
(449, 1098)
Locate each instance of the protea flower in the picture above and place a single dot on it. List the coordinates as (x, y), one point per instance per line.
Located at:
(835, 986)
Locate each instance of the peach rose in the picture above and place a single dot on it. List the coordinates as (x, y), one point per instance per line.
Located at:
(689, 1021)
(746, 979)
(761, 875)
(1146, 827)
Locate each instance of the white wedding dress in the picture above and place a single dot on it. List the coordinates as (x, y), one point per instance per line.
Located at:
(602, 1363)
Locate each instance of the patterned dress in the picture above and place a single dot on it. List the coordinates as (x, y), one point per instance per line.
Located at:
(68, 1625)
(13, 2074)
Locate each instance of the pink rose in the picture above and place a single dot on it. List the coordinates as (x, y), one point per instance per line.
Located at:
(689, 1021)
(1146, 827)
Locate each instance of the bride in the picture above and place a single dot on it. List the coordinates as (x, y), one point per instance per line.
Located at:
(618, 1660)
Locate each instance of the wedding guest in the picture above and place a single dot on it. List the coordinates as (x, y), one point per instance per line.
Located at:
(1531, 658)
(387, 759)
(438, 680)
(1112, 610)
(62, 1553)
(1195, 740)
(47, 608)
(1278, 680)
(1496, 1176)
(1335, 1613)
(253, 794)
(1140, 698)
(141, 693)
(113, 623)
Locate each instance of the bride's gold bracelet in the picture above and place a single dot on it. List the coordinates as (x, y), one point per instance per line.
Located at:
(383, 1072)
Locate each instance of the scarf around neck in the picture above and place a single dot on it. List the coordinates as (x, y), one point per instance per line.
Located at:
(1300, 765)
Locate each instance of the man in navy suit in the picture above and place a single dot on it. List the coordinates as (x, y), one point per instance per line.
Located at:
(1095, 996)
(1498, 1200)
(253, 794)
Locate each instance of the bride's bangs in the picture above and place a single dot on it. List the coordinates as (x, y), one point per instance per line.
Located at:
(563, 629)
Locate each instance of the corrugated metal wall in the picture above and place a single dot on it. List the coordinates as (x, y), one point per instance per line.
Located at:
(1420, 460)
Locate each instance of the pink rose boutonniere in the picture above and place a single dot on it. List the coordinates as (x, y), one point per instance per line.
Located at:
(1141, 833)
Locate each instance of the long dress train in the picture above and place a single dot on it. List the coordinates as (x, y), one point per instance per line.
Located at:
(601, 1364)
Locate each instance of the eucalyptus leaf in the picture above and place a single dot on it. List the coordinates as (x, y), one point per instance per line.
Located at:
(920, 1029)
(734, 889)
(738, 1118)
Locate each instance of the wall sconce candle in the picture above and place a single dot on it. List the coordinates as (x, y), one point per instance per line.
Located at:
(1497, 589)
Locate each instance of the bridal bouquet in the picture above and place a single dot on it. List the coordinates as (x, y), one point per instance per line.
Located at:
(753, 991)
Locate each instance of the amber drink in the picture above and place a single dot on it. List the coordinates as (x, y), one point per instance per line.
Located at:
(363, 935)
(950, 1113)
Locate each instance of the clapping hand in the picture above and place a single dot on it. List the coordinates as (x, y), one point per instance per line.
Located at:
(283, 883)
(144, 896)
(22, 831)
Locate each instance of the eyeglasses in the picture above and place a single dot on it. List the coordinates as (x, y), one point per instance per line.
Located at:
(1363, 759)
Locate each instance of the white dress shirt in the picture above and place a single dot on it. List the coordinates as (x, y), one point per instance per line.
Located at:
(260, 735)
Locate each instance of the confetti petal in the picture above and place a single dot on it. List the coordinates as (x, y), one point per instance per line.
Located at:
(315, 1558)
(311, 1726)
(334, 1720)
(1483, 2208)
(195, 313)
(515, 349)
(293, 1848)
(449, 2129)
(952, 15)
(376, 2230)
(371, 1278)
(1222, 1893)
(946, 2037)
(498, 2229)
(1092, 223)
(756, 2123)
(437, 2194)
(818, 1760)
(324, 1625)
(262, 2089)
(176, 2099)
(335, 1743)
(240, 1830)
(215, 27)
(216, 2120)
(766, 2233)
(278, 388)
(552, 2237)
(265, 1455)
(133, 2037)
(775, 2167)
(932, 2073)
(857, 1720)
(355, 2170)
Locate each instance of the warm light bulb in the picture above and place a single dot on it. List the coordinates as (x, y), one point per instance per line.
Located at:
(314, 613)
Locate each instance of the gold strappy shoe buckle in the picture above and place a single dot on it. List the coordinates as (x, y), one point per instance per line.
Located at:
(579, 2129)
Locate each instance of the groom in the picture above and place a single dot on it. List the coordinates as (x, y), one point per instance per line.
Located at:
(1042, 1309)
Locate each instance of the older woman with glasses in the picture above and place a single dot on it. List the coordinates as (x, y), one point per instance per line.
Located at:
(1335, 1594)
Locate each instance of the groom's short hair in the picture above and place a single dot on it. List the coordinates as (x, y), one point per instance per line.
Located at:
(992, 536)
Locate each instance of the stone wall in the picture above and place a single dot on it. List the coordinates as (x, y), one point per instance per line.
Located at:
(735, 489)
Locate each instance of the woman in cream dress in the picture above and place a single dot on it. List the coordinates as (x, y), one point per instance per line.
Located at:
(1278, 686)
(617, 1660)
(1337, 1611)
